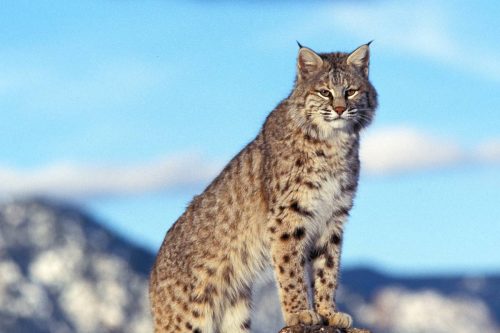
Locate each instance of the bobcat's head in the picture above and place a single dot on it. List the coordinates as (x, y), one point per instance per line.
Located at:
(332, 92)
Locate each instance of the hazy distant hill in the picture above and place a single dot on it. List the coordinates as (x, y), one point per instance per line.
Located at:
(404, 305)
(61, 271)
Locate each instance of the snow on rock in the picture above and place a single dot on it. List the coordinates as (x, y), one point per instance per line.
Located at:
(402, 311)
(62, 272)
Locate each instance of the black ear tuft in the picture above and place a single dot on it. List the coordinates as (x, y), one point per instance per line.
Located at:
(300, 45)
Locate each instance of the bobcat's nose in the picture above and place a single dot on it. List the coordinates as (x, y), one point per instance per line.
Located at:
(339, 109)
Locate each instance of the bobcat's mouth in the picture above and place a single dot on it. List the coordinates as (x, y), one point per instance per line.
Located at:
(335, 121)
(332, 118)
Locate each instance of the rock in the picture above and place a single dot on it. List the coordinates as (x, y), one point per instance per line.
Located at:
(320, 329)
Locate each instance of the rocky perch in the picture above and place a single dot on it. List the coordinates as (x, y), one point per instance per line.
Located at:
(320, 329)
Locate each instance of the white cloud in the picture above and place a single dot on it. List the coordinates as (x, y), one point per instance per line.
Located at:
(73, 180)
(489, 151)
(421, 29)
(53, 90)
(424, 29)
(396, 150)
(404, 149)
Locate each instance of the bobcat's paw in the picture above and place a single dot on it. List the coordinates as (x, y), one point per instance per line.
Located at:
(306, 317)
(338, 319)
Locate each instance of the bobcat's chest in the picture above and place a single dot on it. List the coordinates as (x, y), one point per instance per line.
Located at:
(324, 201)
(324, 194)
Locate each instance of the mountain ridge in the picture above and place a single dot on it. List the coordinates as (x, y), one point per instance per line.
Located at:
(63, 271)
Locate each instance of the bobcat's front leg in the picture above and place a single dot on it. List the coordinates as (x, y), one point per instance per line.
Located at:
(287, 234)
(325, 259)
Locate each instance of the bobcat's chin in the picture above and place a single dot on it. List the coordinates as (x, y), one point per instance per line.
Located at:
(327, 130)
(330, 126)
(336, 123)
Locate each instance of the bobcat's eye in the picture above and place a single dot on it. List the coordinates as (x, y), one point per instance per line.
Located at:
(351, 92)
(325, 93)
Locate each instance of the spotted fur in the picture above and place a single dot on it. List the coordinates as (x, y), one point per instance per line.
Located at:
(282, 201)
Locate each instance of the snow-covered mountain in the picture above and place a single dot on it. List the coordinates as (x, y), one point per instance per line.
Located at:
(61, 271)
(458, 304)
(404, 305)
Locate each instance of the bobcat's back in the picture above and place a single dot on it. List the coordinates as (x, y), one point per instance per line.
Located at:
(212, 253)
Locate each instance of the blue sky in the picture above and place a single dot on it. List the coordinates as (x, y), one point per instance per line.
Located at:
(131, 107)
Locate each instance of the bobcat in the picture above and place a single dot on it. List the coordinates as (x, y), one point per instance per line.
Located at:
(283, 200)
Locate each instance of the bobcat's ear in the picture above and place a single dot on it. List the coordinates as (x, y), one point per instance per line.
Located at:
(308, 62)
(360, 58)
